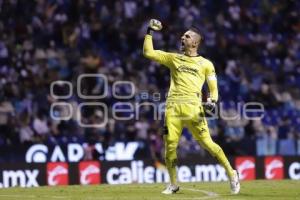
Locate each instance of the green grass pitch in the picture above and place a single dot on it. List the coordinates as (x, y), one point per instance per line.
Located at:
(254, 190)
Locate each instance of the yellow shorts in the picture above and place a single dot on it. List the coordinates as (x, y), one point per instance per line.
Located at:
(185, 114)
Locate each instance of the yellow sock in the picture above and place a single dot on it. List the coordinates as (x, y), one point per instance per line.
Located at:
(220, 156)
(171, 163)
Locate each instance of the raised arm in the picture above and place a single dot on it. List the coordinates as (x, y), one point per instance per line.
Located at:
(148, 49)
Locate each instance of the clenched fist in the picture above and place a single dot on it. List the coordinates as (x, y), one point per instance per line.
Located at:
(155, 25)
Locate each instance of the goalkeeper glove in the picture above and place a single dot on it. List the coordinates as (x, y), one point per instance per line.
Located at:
(210, 105)
(154, 25)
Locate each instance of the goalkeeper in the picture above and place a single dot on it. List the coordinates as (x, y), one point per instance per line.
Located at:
(183, 107)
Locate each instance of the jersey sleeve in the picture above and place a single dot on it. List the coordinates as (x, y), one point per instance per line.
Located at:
(159, 56)
(211, 79)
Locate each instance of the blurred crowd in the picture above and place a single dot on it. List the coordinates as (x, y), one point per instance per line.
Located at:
(254, 45)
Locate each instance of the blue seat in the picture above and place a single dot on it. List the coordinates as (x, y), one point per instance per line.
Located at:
(260, 147)
(298, 147)
(287, 147)
(266, 146)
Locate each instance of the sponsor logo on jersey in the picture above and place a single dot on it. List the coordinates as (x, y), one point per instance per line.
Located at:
(191, 70)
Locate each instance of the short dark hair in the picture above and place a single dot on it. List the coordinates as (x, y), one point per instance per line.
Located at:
(197, 30)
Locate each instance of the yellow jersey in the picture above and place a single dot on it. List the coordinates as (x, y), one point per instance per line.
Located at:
(188, 74)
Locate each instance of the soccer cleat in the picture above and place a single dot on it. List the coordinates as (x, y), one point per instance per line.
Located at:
(171, 189)
(235, 183)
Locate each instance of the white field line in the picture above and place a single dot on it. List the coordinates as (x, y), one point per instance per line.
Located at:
(209, 194)
(32, 196)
